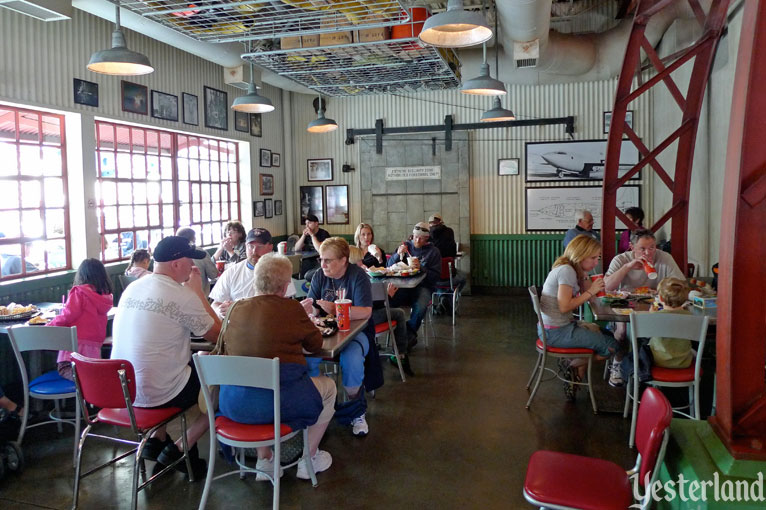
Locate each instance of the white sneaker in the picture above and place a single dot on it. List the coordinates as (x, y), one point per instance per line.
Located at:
(359, 426)
(321, 461)
(615, 375)
(266, 465)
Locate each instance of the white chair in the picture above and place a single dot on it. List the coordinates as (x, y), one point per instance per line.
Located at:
(255, 373)
(544, 351)
(669, 325)
(380, 293)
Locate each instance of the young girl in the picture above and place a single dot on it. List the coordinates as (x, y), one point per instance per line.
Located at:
(139, 263)
(89, 300)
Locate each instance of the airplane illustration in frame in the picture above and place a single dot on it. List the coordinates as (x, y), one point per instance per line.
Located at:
(575, 160)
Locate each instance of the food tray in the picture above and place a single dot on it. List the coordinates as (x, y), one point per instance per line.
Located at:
(20, 316)
(393, 275)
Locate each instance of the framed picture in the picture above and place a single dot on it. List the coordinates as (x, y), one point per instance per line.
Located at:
(241, 121)
(191, 109)
(311, 203)
(276, 159)
(258, 209)
(265, 158)
(268, 206)
(337, 204)
(277, 208)
(267, 184)
(164, 106)
(216, 108)
(135, 98)
(574, 160)
(553, 208)
(255, 125)
(85, 92)
(608, 120)
(320, 169)
(508, 166)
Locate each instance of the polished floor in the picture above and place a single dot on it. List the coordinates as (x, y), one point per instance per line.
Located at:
(456, 435)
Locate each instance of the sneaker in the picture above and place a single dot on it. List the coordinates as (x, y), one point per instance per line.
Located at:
(321, 461)
(268, 466)
(405, 364)
(171, 453)
(570, 390)
(154, 447)
(615, 375)
(359, 426)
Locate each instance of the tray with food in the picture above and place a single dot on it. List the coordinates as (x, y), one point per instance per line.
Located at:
(15, 312)
(642, 292)
(327, 325)
(398, 270)
(38, 320)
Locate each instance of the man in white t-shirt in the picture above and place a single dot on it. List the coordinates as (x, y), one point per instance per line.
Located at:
(155, 319)
(627, 269)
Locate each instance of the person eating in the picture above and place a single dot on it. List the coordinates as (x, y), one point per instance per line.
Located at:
(232, 247)
(627, 270)
(364, 237)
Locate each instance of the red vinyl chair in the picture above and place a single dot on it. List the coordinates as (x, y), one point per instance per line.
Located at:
(447, 285)
(379, 293)
(564, 481)
(111, 385)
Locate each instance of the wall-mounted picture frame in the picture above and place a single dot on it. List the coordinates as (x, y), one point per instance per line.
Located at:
(241, 121)
(190, 109)
(508, 166)
(607, 120)
(553, 208)
(164, 106)
(216, 108)
(267, 184)
(256, 125)
(135, 97)
(312, 203)
(268, 208)
(258, 208)
(265, 158)
(574, 160)
(276, 159)
(337, 204)
(85, 92)
(319, 169)
(277, 208)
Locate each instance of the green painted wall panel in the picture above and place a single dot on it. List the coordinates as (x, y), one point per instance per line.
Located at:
(513, 260)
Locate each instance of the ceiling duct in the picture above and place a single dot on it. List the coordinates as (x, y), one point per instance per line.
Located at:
(45, 10)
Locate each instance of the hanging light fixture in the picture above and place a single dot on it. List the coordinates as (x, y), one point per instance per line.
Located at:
(119, 60)
(455, 28)
(252, 102)
(484, 84)
(321, 124)
(497, 113)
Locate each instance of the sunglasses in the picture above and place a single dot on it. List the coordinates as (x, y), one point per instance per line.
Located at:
(421, 229)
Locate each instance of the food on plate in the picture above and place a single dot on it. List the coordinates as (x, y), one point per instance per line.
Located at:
(618, 294)
(39, 320)
(643, 291)
(14, 309)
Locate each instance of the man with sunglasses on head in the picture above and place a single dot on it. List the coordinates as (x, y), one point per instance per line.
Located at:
(418, 253)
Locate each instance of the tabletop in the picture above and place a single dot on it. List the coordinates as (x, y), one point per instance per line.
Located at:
(332, 345)
(46, 307)
(406, 282)
(604, 312)
(311, 254)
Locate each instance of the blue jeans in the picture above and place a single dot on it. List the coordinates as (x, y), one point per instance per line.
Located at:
(572, 335)
(400, 331)
(418, 298)
(351, 361)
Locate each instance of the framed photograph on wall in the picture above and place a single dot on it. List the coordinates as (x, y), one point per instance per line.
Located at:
(265, 158)
(607, 123)
(311, 203)
(267, 184)
(337, 204)
(164, 106)
(320, 169)
(258, 208)
(216, 108)
(508, 166)
(241, 121)
(553, 208)
(191, 109)
(277, 208)
(256, 128)
(276, 159)
(135, 98)
(85, 92)
(574, 160)
(268, 207)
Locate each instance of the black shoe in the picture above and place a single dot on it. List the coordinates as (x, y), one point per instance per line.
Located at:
(171, 453)
(154, 447)
(405, 364)
(412, 338)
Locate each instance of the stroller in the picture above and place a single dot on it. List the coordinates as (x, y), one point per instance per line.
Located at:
(11, 457)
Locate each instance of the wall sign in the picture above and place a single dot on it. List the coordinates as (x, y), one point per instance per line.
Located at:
(404, 173)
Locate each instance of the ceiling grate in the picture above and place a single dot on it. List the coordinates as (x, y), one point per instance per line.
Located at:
(526, 62)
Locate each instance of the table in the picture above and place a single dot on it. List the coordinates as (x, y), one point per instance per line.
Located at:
(332, 345)
(46, 308)
(409, 282)
(603, 312)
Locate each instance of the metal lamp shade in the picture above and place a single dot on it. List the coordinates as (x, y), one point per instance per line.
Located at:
(321, 124)
(455, 28)
(497, 113)
(252, 102)
(484, 84)
(119, 60)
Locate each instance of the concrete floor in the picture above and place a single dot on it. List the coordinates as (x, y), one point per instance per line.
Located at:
(455, 436)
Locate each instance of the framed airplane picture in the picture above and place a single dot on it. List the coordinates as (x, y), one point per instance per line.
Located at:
(575, 160)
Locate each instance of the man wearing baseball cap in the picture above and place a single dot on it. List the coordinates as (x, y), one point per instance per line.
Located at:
(156, 317)
(442, 236)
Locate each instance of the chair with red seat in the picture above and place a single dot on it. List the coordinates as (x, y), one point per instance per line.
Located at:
(544, 351)
(256, 373)
(110, 384)
(568, 482)
(668, 325)
(448, 285)
(380, 293)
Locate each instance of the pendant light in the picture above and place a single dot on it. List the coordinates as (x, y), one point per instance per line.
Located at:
(119, 60)
(484, 84)
(252, 102)
(456, 27)
(321, 124)
(497, 113)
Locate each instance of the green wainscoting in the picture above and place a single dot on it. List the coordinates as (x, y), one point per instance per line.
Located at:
(518, 260)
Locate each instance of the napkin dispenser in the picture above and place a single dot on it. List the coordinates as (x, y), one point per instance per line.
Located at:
(705, 302)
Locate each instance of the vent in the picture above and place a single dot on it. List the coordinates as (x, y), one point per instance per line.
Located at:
(44, 10)
(526, 62)
(526, 53)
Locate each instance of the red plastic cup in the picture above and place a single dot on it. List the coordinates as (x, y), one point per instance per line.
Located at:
(220, 265)
(595, 277)
(343, 314)
(651, 273)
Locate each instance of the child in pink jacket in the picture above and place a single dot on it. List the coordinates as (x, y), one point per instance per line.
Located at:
(87, 305)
